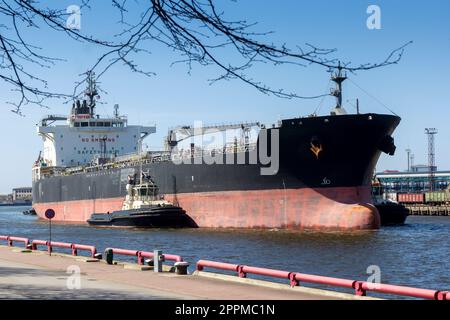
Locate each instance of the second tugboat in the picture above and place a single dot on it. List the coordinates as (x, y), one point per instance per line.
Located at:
(391, 212)
(143, 208)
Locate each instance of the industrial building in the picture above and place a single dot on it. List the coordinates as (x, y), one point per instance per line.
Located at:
(22, 194)
(415, 180)
(18, 196)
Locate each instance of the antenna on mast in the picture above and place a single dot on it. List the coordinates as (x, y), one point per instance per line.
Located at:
(338, 77)
(91, 91)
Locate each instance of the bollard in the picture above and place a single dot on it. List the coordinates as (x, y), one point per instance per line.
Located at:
(98, 256)
(149, 262)
(157, 260)
(181, 267)
(109, 256)
(74, 250)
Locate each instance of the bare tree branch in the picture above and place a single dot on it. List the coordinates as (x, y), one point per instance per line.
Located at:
(196, 29)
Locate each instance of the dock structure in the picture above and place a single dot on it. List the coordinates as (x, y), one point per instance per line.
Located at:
(427, 210)
(26, 274)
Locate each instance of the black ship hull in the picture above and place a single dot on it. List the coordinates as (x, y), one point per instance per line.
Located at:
(322, 180)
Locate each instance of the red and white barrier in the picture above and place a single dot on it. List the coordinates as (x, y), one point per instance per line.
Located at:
(10, 240)
(295, 278)
(140, 255)
(73, 246)
(360, 287)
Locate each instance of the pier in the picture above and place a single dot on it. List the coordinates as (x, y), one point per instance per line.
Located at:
(29, 273)
(36, 275)
(427, 210)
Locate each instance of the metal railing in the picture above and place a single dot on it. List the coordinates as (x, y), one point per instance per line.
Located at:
(360, 287)
(210, 152)
(140, 255)
(11, 239)
(74, 247)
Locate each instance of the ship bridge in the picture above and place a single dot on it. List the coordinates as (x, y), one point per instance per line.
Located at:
(82, 139)
(86, 136)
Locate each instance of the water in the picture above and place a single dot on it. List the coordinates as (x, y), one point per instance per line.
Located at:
(416, 254)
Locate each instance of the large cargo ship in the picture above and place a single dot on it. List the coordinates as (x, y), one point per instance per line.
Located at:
(302, 173)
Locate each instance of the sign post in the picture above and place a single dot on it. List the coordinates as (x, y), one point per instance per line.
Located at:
(50, 214)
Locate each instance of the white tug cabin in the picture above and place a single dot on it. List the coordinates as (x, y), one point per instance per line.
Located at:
(143, 195)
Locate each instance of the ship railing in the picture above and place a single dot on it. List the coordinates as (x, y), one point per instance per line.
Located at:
(295, 278)
(129, 162)
(165, 156)
(74, 169)
(221, 126)
(201, 153)
(144, 198)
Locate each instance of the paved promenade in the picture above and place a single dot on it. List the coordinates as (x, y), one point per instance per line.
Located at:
(35, 275)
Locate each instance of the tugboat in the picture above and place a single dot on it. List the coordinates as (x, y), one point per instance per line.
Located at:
(30, 212)
(391, 212)
(144, 208)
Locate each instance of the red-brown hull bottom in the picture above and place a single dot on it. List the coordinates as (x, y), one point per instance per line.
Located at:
(345, 209)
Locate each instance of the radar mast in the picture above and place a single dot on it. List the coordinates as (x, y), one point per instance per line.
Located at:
(338, 78)
(91, 91)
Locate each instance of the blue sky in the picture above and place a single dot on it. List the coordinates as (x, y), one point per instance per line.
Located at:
(417, 88)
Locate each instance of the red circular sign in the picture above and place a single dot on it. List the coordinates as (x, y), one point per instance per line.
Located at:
(49, 213)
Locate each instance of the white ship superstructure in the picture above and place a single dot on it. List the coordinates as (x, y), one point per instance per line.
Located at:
(86, 136)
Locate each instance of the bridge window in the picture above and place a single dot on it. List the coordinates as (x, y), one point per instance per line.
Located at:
(84, 124)
(107, 124)
(76, 124)
(92, 124)
(100, 124)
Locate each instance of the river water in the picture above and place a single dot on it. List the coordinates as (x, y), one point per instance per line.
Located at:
(415, 254)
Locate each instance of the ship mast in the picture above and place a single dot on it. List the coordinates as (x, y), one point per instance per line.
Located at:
(91, 91)
(338, 77)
